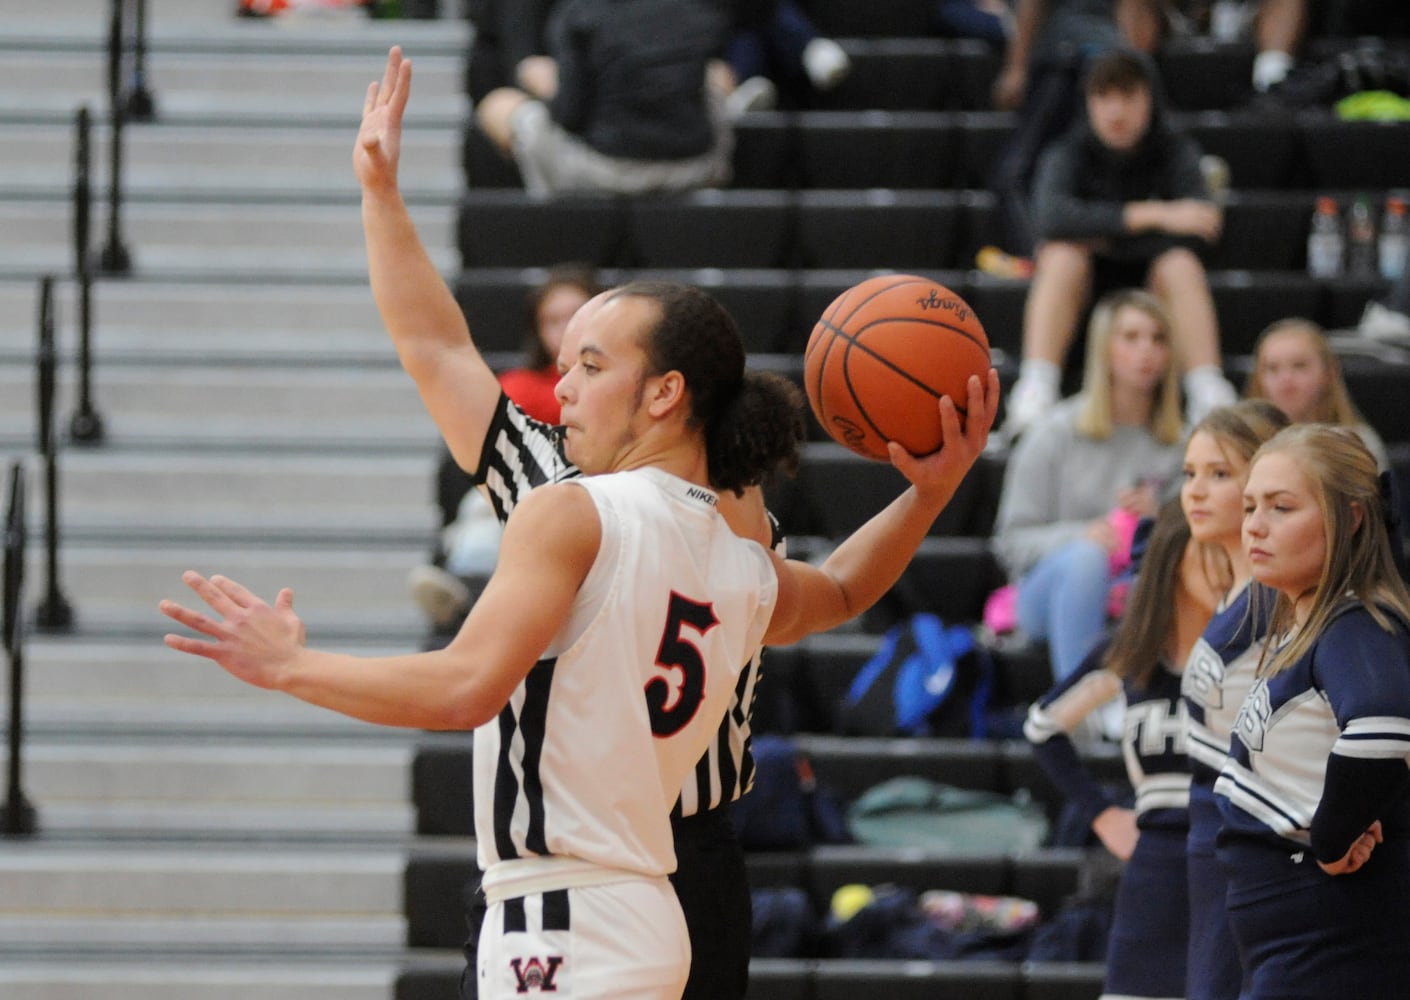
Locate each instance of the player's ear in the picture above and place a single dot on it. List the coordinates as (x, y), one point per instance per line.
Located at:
(667, 393)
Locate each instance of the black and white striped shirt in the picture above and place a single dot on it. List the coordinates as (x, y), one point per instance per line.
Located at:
(521, 453)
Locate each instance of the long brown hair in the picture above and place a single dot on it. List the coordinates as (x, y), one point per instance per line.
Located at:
(1144, 634)
(1335, 406)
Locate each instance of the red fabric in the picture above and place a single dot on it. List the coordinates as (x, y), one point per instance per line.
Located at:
(533, 391)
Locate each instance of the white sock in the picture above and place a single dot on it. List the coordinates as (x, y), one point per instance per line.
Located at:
(1042, 372)
(1270, 68)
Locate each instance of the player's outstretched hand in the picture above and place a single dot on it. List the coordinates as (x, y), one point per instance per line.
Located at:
(1358, 854)
(378, 146)
(251, 639)
(940, 473)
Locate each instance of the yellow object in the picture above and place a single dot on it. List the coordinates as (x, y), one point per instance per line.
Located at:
(848, 899)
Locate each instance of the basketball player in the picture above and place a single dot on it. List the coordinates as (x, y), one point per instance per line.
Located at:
(1218, 672)
(1315, 796)
(509, 454)
(591, 607)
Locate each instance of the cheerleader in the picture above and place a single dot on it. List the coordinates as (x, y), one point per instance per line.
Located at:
(1315, 795)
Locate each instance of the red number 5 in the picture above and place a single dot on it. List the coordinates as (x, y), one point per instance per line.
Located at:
(673, 701)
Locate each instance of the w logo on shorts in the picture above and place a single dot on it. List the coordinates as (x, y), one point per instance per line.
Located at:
(535, 975)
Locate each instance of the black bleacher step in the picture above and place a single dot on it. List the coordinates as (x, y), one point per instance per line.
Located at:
(917, 73)
(850, 765)
(977, 980)
(878, 149)
(893, 19)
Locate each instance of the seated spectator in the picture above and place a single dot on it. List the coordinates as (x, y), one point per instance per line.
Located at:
(1080, 478)
(468, 544)
(507, 32)
(1050, 45)
(775, 55)
(1295, 369)
(1120, 200)
(620, 105)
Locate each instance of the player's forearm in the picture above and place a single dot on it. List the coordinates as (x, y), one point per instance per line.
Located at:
(417, 307)
(432, 690)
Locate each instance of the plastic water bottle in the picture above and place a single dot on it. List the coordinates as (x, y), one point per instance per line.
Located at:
(1361, 248)
(1325, 243)
(1394, 244)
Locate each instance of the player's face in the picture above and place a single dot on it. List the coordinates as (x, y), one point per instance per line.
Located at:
(1284, 529)
(1140, 350)
(553, 314)
(1293, 374)
(1211, 491)
(603, 382)
(1119, 117)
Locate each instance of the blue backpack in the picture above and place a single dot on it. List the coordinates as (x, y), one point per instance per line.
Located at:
(925, 679)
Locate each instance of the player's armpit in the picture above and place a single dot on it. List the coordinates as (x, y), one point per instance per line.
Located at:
(548, 547)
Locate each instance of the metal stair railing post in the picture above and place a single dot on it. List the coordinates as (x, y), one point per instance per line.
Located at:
(140, 106)
(86, 425)
(115, 259)
(54, 611)
(17, 816)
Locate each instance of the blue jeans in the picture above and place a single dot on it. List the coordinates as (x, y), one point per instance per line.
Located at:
(1063, 600)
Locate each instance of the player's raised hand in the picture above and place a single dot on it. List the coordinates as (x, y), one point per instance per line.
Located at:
(378, 146)
(939, 474)
(250, 639)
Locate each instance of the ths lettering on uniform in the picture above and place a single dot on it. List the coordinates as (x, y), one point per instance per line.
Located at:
(536, 975)
(1157, 728)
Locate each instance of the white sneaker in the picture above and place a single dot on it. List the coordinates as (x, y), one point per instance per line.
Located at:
(1028, 400)
(1382, 323)
(757, 93)
(443, 596)
(826, 63)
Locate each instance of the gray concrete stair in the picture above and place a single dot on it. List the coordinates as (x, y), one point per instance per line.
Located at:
(200, 839)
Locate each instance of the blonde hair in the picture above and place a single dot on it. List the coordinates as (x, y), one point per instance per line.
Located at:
(1095, 420)
(1242, 427)
(1358, 559)
(1335, 405)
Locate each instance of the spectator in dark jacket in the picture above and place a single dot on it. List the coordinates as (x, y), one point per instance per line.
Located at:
(1120, 200)
(620, 104)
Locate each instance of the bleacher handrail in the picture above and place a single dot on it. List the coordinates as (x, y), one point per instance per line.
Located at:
(115, 258)
(53, 612)
(86, 426)
(17, 816)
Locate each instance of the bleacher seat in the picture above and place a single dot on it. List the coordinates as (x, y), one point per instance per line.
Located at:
(780, 979)
(849, 765)
(712, 228)
(1062, 980)
(495, 303)
(765, 151)
(1353, 154)
(877, 149)
(509, 228)
(917, 981)
(1247, 301)
(482, 164)
(914, 73)
(434, 885)
(893, 19)
(1200, 73)
(982, 135)
(1262, 150)
(888, 229)
(1263, 230)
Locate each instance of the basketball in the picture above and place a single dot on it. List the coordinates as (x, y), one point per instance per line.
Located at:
(882, 355)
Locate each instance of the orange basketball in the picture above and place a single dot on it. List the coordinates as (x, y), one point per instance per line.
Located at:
(883, 354)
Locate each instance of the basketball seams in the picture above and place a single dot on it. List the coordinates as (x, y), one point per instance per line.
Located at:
(901, 281)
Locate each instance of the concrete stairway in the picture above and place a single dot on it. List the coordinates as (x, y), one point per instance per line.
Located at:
(200, 839)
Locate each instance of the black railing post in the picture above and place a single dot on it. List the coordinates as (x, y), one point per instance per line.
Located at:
(86, 426)
(139, 104)
(53, 612)
(114, 258)
(17, 816)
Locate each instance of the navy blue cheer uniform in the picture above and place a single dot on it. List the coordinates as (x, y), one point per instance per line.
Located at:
(1146, 951)
(1219, 673)
(1319, 753)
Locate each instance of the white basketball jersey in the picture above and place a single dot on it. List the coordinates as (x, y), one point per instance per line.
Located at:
(588, 757)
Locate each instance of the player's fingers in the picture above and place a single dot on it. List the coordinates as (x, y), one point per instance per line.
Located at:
(1375, 832)
(370, 100)
(284, 600)
(239, 595)
(185, 644)
(208, 592)
(194, 620)
(401, 88)
(389, 75)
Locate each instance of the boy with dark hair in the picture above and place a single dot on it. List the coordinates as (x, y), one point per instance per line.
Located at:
(1120, 201)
